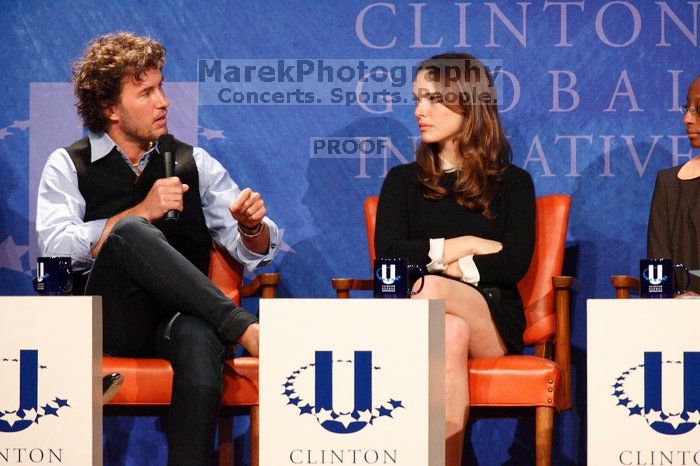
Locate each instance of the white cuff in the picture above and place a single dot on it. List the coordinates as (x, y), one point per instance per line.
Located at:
(89, 235)
(470, 274)
(437, 247)
(252, 259)
(94, 231)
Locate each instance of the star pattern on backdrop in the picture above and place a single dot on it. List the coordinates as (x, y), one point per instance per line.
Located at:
(20, 124)
(651, 416)
(211, 133)
(11, 255)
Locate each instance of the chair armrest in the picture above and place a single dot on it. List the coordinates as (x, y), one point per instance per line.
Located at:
(264, 285)
(563, 286)
(624, 285)
(564, 281)
(343, 286)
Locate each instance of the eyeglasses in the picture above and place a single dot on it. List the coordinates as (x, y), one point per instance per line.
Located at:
(695, 111)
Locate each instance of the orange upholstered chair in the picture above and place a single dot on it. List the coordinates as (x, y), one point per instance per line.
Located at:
(148, 382)
(509, 385)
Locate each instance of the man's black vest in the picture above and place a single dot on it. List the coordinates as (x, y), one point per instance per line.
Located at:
(109, 186)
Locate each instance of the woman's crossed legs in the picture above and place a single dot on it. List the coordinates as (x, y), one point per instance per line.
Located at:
(469, 330)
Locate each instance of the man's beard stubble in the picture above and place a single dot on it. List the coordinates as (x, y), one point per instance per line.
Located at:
(131, 129)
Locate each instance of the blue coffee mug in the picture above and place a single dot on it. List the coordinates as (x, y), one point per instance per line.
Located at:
(54, 276)
(391, 278)
(656, 277)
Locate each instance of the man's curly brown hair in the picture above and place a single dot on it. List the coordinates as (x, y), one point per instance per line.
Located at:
(98, 74)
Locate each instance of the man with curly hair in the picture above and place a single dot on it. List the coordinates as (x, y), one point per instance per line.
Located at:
(102, 201)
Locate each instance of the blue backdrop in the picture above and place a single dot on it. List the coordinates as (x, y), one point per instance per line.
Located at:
(590, 91)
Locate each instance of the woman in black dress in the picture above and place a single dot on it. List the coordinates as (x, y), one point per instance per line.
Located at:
(674, 219)
(467, 214)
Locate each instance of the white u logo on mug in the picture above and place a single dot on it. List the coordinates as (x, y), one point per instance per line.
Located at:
(40, 272)
(392, 274)
(655, 279)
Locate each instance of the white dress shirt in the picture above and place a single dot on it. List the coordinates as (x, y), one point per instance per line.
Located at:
(61, 230)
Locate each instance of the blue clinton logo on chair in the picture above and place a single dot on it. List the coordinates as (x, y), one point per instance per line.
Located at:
(663, 422)
(29, 410)
(331, 419)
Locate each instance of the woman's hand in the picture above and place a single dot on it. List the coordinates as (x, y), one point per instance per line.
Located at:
(486, 246)
(456, 248)
(687, 294)
(453, 270)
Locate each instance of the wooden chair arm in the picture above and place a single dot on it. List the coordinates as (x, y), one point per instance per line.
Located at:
(562, 344)
(264, 284)
(564, 281)
(624, 285)
(343, 286)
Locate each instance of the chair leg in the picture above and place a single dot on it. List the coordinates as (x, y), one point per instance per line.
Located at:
(226, 441)
(254, 435)
(544, 424)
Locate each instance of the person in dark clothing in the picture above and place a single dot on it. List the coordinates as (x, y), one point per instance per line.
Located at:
(467, 214)
(674, 218)
(102, 201)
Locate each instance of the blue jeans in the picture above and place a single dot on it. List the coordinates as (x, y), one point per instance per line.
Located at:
(156, 303)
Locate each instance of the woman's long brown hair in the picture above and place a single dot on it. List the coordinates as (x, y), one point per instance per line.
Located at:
(482, 144)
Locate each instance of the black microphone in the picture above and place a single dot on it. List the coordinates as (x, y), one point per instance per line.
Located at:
(166, 148)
